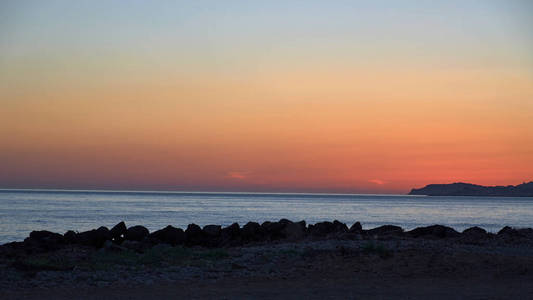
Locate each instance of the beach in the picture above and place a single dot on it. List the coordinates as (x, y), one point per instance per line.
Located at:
(326, 260)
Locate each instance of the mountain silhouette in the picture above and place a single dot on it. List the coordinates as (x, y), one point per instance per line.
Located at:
(468, 189)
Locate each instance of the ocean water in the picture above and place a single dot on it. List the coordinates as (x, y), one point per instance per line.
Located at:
(22, 211)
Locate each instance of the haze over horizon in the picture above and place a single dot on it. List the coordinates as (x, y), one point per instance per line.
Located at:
(306, 96)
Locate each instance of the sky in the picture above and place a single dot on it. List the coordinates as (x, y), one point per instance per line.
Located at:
(267, 96)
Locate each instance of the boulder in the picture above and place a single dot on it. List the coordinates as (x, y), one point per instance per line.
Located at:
(212, 235)
(252, 231)
(95, 237)
(507, 230)
(294, 231)
(385, 230)
(231, 235)
(44, 235)
(274, 229)
(474, 235)
(516, 232)
(13, 249)
(356, 228)
(339, 227)
(169, 235)
(285, 222)
(87, 238)
(44, 240)
(321, 229)
(70, 237)
(435, 231)
(48, 237)
(194, 235)
(232, 231)
(526, 232)
(212, 230)
(475, 231)
(118, 231)
(136, 233)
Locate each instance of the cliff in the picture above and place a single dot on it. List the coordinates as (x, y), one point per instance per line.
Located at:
(467, 189)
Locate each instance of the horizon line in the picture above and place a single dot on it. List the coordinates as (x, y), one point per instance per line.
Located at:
(189, 192)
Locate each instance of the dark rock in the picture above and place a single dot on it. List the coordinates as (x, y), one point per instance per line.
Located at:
(526, 232)
(339, 227)
(507, 230)
(169, 235)
(231, 235)
(44, 235)
(13, 249)
(104, 232)
(118, 231)
(95, 237)
(474, 235)
(303, 224)
(86, 238)
(285, 222)
(212, 235)
(136, 233)
(274, 229)
(194, 235)
(475, 231)
(516, 232)
(321, 229)
(252, 231)
(437, 231)
(356, 228)
(212, 230)
(232, 231)
(70, 237)
(385, 230)
(193, 229)
(294, 231)
(43, 240)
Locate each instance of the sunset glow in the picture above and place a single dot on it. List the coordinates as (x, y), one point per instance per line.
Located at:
(265, 97)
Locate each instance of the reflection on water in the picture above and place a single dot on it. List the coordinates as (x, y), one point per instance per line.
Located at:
(23, 211)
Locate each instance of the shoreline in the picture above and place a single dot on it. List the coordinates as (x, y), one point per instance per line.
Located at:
(283, 259)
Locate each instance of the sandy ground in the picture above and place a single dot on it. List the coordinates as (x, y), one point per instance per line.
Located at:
(412, 269)
(309, 287)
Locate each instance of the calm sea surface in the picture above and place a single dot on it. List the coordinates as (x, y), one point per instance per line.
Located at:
(59, 211)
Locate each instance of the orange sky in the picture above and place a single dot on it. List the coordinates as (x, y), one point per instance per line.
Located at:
(340, 117)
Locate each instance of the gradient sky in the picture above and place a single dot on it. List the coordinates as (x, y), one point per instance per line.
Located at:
(317, 96)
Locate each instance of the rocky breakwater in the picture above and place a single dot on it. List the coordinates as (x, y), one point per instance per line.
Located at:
(139, 239)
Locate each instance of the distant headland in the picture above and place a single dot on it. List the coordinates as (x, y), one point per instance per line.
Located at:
(468, 189)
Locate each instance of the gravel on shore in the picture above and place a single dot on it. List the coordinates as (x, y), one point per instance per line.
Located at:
(488, 266)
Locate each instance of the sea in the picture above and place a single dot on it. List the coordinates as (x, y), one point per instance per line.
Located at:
(22, 211)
